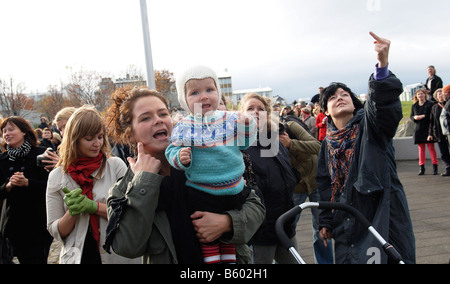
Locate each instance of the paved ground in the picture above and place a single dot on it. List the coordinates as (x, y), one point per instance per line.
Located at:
(429, 204)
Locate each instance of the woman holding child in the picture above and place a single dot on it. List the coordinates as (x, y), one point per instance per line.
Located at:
(156, 223)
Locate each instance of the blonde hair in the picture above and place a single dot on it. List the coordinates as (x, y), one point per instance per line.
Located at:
(85, 121)
(64, 114)
(267, 102)
(415, 99)
(435, 95)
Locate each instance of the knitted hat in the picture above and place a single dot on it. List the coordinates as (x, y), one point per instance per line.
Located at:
(196, 72)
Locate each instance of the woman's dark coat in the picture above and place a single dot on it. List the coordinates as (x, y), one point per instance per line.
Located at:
(24, 216)
(373, 186)
(422, 126)
(276, 181)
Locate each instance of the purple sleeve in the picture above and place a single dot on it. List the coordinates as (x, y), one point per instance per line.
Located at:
(381, 73)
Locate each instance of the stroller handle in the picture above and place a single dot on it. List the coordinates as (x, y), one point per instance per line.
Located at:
(286, 242)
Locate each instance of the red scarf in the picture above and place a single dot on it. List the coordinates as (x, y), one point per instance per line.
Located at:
(81, 171)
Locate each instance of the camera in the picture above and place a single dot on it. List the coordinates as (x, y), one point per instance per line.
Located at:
(41, 158)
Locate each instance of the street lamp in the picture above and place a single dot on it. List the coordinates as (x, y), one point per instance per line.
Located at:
(147, 46)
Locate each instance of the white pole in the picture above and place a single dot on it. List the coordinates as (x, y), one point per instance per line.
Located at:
(147, 46)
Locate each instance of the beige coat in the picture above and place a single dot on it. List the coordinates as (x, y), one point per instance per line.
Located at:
(56, 208)
(304, 153)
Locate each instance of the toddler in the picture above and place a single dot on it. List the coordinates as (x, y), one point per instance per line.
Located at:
(206, 144)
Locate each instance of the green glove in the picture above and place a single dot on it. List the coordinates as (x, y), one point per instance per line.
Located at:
(83, 205)
(79, 203)
(72, 197)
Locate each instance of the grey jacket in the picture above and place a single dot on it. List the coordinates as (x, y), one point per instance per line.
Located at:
(145, 231)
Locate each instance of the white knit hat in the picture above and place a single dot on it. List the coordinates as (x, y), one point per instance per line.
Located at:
(196, 72)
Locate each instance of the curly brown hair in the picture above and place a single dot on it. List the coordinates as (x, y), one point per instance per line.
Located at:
(119, 116)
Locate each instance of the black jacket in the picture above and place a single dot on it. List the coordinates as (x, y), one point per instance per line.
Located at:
(276, 180)
(422, 126)
(24, 217)
(436, 83)
(435, 129)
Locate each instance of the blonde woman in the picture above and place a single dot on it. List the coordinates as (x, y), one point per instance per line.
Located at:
(275, 179)
(421, 115)
(78, 188)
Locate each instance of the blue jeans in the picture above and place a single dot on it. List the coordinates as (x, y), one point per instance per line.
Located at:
(322, 254)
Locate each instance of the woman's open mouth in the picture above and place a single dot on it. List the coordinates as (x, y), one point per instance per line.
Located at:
(161, 134)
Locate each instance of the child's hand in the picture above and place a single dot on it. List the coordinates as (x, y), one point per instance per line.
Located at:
(185, 156)
(244, 119)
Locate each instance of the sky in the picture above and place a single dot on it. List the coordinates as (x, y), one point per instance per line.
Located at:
(292, 46)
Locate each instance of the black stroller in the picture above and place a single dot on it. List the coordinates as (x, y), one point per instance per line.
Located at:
(286, 242)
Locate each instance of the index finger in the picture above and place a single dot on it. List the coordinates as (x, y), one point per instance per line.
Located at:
(376, 37)
(140, 149)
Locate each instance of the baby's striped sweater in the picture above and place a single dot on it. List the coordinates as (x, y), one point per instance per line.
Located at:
(216, 160)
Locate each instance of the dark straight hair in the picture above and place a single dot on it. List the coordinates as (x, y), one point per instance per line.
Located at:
(24, 126)
(332, 89)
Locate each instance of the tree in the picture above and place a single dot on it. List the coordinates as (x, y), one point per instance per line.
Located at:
(52, 103)
(83, 87)
(164, 81)
(12, 98)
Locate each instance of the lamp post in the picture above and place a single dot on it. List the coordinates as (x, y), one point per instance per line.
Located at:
(147, 45)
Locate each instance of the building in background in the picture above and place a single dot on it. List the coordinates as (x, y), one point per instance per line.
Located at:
(409, 92)
(237, 96)
(226, 83)
(136, 81)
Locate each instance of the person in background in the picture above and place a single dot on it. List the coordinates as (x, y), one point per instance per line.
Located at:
(43, 123)
(435, 131)
(78, 188)
(310, 121)
(56, 139)
(433, 83)
(46, 141)
(357, 167)
(303, 151)
(22, 192)
(420, 115)
(445, 114)
(321, 123)
(275, 179)
(61, 119)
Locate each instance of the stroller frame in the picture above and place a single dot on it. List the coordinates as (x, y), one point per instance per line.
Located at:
(286, 242)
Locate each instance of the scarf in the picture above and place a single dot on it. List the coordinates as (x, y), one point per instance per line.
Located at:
(341, 149)
(20, 152)
(81, 171)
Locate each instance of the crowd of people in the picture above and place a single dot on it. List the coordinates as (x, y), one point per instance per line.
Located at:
(209, 187)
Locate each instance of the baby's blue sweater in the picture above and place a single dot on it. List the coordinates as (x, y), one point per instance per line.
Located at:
(216, 160)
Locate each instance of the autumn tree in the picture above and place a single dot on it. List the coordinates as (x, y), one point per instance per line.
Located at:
(164, 81)
(83, 86)
(53, 102)
(12, 98)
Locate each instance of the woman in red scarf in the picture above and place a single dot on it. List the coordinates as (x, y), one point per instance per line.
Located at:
(78, 188)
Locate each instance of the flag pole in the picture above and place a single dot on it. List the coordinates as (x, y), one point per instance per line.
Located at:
(147, 46)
